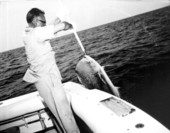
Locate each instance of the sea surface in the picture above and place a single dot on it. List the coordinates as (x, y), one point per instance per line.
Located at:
(135, 51)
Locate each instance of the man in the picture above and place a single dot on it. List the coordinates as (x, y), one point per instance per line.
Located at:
(43, 71)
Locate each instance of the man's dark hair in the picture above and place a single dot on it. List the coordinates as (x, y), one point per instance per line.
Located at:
(34, 12)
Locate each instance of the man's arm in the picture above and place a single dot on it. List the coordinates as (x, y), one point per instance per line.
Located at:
(62, 26)
(47, 32)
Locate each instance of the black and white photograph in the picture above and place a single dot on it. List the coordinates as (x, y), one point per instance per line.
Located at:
(84, 66)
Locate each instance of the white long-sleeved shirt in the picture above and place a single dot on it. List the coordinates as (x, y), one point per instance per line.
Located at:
(39, 53)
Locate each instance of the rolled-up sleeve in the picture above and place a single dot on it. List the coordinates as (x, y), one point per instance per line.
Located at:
(45, 33)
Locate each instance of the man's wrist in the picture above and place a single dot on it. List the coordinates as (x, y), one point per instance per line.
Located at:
(64, 27)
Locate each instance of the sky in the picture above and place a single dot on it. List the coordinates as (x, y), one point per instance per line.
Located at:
(83, 13)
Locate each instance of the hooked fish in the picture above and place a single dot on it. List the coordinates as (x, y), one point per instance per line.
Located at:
(92, 75)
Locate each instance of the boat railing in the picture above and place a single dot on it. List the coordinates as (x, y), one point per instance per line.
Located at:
(21, 120)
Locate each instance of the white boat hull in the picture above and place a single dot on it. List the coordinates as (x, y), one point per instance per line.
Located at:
(101, 112)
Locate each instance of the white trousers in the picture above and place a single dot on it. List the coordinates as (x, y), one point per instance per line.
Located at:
(51, 90)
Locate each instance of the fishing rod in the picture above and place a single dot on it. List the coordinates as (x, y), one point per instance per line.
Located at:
(74, 29)
(78, 40)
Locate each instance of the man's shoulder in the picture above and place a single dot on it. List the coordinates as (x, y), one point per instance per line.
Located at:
(44, 27)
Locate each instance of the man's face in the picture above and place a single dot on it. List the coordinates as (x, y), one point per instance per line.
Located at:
(40, 21)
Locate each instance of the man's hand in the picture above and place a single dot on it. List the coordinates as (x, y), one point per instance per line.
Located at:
(67, 26)
(62, 26)
(55, 21)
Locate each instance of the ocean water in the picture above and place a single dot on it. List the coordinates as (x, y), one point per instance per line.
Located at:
(134, 51)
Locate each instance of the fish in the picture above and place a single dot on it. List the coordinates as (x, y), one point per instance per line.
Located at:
(93, 76)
